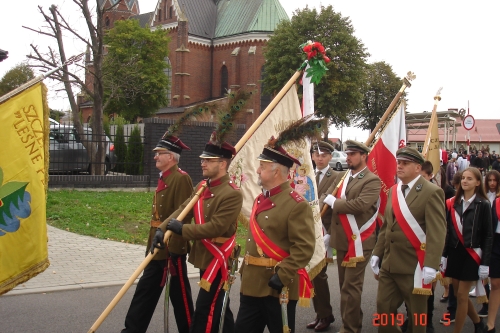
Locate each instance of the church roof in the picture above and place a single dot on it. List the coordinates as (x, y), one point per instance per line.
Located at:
(201, 15)
(129, 3)
(144, 19)
(243, 16)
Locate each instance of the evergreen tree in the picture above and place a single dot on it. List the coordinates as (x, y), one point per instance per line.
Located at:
(120, 148)
(133, 165)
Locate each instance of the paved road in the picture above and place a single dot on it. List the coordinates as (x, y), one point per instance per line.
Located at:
(86, 273)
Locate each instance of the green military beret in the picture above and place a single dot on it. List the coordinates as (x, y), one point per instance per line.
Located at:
(409, 154)
(354, 146)
(322, 147)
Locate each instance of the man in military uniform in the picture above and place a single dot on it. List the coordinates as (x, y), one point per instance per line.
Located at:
(325, 175)
(215, 215)
(410, 243)
(354, 209)
(174, 187)
(280, 243)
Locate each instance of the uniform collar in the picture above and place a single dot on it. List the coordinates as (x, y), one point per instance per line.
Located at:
(217, 182)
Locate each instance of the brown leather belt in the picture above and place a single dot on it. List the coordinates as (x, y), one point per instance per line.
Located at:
(219, 240)
(155, 224)
(264, 262)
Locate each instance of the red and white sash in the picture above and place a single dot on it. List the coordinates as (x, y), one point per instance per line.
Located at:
(415, 235)
(275, 252)
(221, 253)
(355, 236)
(475, 253)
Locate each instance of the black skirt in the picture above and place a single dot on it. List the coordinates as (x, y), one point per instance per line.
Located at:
(495, 257)
(460, 264)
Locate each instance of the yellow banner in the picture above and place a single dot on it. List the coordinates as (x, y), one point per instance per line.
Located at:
(23, 183)
(433, 155)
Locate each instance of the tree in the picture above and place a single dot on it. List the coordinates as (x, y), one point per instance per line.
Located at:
(15, 77)
(70, 75)
(133, 161)
(120, 148)
(134, 80)
(338, 95)
(381, 85)
(56, 114)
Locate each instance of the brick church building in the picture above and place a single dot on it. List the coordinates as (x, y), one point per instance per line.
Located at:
(216, 45)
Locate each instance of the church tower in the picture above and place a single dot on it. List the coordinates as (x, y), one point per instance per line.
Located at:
(122, 10)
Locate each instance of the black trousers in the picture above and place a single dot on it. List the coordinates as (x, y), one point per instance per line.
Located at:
(209, 309)
(148, 293)
(256, 313)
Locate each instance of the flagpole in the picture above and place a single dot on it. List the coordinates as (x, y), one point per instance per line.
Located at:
(406, 83)
(437, 98)
(410, 76)
(37, 79)
(268, 109)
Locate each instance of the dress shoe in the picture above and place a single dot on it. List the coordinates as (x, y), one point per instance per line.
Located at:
(492, 330)
(443, 299)
(324, 323)
(313, 324)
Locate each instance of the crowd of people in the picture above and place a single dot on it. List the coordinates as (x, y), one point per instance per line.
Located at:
(433, 229)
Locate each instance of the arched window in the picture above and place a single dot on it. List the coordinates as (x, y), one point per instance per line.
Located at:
(223, 80)
(265, 100)
(171, 11)
(159, 14)
(107, 22)
(168, 72)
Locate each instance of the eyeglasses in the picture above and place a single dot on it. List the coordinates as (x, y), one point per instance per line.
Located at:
(163, 153)
(208, 160)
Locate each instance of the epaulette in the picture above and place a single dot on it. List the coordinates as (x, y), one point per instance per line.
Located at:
(297, 197)
(182, 171)
(233, 185)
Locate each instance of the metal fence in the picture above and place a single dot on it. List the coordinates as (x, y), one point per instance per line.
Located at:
(68, 153)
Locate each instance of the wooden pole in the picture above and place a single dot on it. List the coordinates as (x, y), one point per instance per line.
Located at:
(191, 203)
(143, 264)
(434, 119)
(268, 110)
(406, 83)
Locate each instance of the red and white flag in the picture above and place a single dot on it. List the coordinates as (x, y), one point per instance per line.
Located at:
(382, 159)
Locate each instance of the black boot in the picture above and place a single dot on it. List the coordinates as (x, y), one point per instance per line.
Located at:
(480, 327)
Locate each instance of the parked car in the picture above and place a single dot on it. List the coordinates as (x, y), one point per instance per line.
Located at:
(68, 154)
(338, 161)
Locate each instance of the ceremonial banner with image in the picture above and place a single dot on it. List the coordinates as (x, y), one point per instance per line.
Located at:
(23, 184)
(243, 169)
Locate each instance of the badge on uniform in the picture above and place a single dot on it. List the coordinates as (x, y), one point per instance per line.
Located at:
(328, 173)
(361, 175)
(419, 187)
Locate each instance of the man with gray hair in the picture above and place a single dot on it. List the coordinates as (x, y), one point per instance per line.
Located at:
(174, 186)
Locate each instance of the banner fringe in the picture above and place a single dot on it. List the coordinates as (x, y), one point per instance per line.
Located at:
(31, 272)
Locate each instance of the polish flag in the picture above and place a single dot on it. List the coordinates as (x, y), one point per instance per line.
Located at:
(382, 158)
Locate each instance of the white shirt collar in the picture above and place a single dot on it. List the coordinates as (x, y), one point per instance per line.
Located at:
(410, 184)
(357, 173)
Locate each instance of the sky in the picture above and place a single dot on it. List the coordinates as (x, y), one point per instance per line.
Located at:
(449, 44)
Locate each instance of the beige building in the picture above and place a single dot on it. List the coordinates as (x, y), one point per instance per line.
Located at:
(485, 133)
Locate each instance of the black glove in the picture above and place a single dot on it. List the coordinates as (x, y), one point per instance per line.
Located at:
(175, 226)
(275, 282)
(157, 241)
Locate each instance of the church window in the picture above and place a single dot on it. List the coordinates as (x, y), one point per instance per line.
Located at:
(107, 22)
(224, 76)
(159, 14)
(168, 72)
(265, 100)
(171, 11)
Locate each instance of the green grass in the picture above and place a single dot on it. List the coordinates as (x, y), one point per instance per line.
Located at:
(118, 216)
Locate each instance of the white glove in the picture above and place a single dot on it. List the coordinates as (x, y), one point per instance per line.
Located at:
(329, 200)
(374, 264)
(326, 240)
(428, 274)
(484, 271)
(442, 266)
